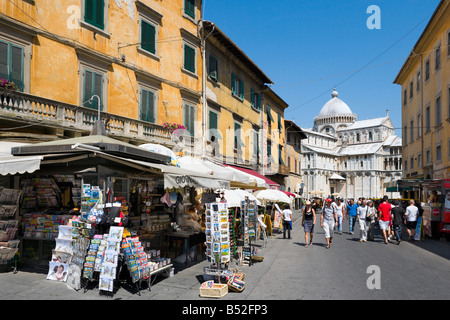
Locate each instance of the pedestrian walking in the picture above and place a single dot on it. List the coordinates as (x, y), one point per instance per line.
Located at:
(351, 215)
(287, 218)
(340, 212)
(371, 219)
(308, 222)
(328, 220)
(361, 215)
(398, 219)
(411, 219)
(384, 214)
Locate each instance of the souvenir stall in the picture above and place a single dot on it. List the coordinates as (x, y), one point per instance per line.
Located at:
(112, 197)
(188, 232)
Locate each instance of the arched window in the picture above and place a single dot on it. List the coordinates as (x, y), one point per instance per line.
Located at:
(370, 136)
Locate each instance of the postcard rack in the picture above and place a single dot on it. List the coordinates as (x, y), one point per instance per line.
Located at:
(249, 225)
(217, 236)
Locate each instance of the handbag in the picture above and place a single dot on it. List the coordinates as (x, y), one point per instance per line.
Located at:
(370, 217)
(110, 211)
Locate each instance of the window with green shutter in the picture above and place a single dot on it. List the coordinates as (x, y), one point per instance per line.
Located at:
(269, 114)
(189, 8)
(189, 58)
(92, 86)
(12, 64)
(94, 13)
(213, 68)
(214, 126)
(255, 99)
(237, 86)
(147, 112)
(256, 143)
(280, 155)
(280, 126)
(148, 37)
(189, 119)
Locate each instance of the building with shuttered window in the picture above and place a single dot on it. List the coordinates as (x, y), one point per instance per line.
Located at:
(137, 60)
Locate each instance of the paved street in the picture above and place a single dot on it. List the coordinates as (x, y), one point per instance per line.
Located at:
(289, 272)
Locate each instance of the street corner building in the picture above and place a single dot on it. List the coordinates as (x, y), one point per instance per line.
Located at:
(425, 85)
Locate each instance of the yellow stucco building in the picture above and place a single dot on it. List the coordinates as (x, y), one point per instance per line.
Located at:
(139, 60)
(244, 116)
(425, 82)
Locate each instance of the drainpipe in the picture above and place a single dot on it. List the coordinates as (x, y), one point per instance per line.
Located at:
(204, 76)
(423, 114)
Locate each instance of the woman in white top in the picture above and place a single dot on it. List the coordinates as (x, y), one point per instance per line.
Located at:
(340, 211)
(361, 214)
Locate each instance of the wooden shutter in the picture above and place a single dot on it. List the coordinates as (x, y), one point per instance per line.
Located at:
(144, 105)
(93, 85)
(189, 58)
(233, 81)
(94, 13)
(148, 35)
(89, 11)
(189, 8)
(212, 120)
(4, 65)
(241, 94)
(99, 14)
(17, 66)
(98, 90)
(252, 98)
(88, 76)
(189, 118)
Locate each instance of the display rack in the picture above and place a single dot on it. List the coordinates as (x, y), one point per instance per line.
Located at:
(9, 245)
(217, 236)
(249, 225)
(143, 265)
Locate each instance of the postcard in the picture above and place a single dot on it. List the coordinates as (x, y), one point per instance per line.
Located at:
(57, 271)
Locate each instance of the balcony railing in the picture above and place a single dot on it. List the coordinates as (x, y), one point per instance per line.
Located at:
(38, 111)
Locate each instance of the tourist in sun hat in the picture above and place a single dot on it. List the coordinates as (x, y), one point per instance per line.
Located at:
(328, 220)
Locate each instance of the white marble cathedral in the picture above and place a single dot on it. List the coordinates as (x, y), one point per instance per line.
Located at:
(350, 158)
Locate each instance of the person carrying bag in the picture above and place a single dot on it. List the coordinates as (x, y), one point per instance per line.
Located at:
(371, 219)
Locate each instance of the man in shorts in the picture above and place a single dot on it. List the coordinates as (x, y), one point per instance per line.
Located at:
(328, 220)
(411, 219)
(384, 214)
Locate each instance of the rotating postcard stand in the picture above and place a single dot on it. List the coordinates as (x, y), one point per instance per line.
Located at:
(217, 239)
(249, 225)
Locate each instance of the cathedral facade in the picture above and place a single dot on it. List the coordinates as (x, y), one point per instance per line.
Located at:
(349, 158)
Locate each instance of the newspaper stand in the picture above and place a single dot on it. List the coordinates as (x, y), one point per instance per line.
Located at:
(7, 255)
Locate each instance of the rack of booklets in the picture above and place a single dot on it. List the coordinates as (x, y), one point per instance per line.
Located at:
(143, 265)
(249, 225)
(9, 203)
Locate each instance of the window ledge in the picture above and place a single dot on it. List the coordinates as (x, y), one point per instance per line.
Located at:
(237, 97)
(149, 54)
(95, 29)
(192, 74)
(188, 17)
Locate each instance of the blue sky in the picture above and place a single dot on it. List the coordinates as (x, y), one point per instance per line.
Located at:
(307, 47)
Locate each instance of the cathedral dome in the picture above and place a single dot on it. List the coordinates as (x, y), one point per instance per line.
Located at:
(335, 114)
(335, 106)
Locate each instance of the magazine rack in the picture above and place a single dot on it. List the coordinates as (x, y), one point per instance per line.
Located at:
(149, 281)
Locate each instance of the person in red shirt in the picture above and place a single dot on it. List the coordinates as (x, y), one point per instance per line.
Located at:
(384, 214)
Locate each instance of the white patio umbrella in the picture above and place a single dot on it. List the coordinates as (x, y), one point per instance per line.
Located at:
(272, 195)
(233, 198)
(250, 196)
(194, 164)
(161, 150)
